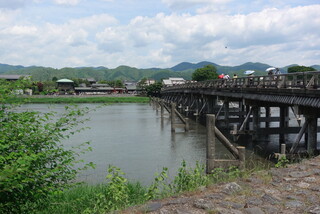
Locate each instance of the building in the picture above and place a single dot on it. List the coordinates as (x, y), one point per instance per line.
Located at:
(65, 86)
(173, 81)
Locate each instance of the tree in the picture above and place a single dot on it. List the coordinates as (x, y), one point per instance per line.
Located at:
(33, 161)
(208, 72)
(154, 89)
(299, 68)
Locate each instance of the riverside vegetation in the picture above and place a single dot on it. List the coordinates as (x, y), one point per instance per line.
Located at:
(37, 173)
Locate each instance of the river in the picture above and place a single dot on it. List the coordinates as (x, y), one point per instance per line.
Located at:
(134, 138)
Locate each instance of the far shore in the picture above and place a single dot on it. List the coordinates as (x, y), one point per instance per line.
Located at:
(105, 98)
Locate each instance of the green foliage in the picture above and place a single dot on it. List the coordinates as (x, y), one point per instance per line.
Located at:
(115, 83)
(153, 89)
(33, 162)
(116, 194)
(220, 174)
(208, 72)
(298, 68)
(159, 187)
(188, 180)
(282, 162)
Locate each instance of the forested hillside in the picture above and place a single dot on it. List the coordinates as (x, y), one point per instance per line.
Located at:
(184, 70)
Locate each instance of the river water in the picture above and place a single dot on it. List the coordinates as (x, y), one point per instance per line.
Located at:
(134, 138)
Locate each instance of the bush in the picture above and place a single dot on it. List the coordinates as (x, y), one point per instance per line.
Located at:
(33, 162)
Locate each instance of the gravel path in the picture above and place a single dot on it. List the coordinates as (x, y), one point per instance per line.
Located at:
(291, 190)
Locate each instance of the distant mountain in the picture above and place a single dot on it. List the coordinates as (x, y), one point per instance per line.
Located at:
(185, 66)
(317, 67)
(5, 68)
(184, 69)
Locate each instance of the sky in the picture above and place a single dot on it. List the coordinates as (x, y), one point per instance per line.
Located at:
(158, 33)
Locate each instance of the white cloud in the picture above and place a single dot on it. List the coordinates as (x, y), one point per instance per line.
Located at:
(67, 2)
(272, 35)
(182, 4)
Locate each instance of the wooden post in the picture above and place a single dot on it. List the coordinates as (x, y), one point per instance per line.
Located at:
(255, 122)
(211, 141)
(242, 157)
(283, 149)
(226, 113)
(268, 114)
(173, 117)
(162, 108)
(186, 128)
(312, 135)
(284, 112)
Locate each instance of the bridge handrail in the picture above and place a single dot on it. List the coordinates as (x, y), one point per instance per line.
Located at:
(299, 80)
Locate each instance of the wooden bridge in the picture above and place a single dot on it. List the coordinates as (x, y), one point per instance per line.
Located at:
(279, 104)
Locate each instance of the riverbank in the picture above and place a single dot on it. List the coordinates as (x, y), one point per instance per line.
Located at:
(114, 98)
(295, 189)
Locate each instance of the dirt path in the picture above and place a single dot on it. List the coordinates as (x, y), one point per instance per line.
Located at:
(291, 190)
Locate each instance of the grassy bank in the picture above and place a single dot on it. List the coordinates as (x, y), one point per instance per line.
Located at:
(117, 193)
(78, 99)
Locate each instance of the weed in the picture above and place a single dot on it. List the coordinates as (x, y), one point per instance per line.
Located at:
(282, 162)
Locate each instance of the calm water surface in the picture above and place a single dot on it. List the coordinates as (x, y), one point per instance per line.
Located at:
(134, 138)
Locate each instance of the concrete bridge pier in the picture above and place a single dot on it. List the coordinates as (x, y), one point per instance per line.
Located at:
(311, 133)
(284, 123)
(255, 121)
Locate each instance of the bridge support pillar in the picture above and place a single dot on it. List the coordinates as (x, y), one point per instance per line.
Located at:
(173, 117)
(226, 113)
(255, 121)
(284, 123)
(268, 114)
(211, 141)
(311, 134)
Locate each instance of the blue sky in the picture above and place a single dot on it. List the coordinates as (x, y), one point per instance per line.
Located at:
(158, 33)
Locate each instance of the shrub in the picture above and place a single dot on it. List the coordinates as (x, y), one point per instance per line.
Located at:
(33, 161)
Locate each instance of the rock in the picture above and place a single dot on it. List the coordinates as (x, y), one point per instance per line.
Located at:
(229, 204)
(203, 204)
(270, 199)
(216, 196)
(310, 179)
(300, 174)
(292, 197)
(314, 210)
(315, 188)
(231, 188)
(183, 211)
(303, 185)
(294, 204)
(253, 210)
(153, 206)
(165, 211)
(254, 201)
(178, 201)
(270, 209)
(221, 210)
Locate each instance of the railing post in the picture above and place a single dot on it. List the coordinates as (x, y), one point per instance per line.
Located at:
(211, 141)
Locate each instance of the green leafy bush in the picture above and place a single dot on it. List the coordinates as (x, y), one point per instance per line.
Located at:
(33, 161)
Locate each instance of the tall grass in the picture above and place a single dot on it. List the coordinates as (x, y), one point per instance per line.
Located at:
(118, 193)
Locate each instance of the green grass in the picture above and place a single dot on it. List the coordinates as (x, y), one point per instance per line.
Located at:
(84, 197)
(80, 100)
(118, 193)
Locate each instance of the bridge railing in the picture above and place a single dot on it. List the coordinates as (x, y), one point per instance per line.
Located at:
(301, 80)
